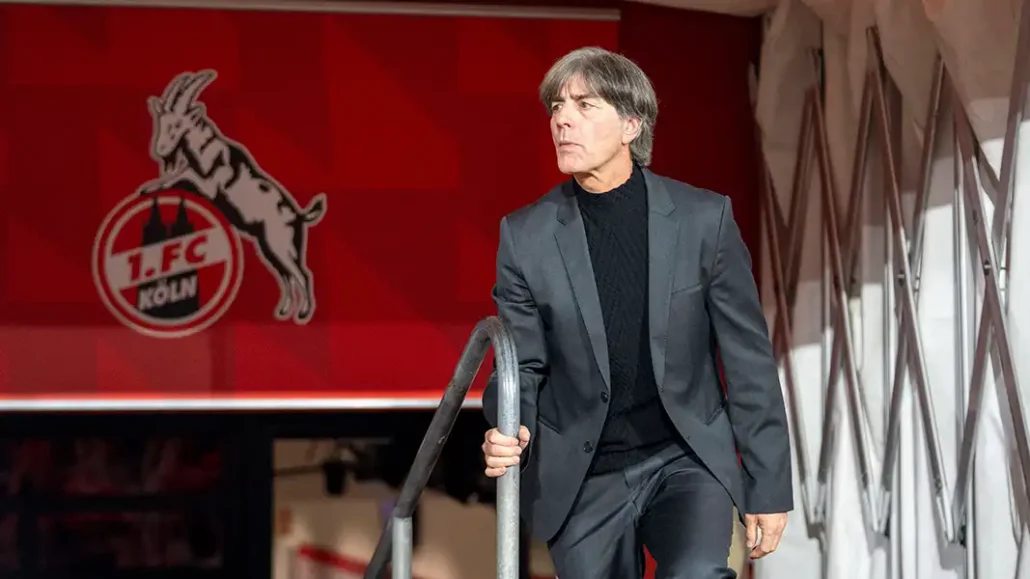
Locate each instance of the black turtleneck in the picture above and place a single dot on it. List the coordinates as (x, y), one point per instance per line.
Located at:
(616, 231)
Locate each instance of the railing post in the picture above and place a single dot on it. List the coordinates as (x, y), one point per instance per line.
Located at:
(508, 419)
(402, 547)
(395, 544)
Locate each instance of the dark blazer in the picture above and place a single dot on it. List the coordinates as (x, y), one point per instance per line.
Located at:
(702, 303)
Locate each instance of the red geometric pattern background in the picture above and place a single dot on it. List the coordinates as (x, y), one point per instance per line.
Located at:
(407, 123)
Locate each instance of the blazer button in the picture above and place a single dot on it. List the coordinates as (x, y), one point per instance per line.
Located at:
(604, 397)
(587, 447)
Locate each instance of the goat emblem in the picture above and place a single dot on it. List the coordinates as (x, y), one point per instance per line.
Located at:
(217, 181)
(195, 155)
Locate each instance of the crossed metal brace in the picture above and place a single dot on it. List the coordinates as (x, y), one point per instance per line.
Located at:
(843, 252)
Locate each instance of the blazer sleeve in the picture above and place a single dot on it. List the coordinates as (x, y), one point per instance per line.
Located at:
(755, 401)
(518, 310)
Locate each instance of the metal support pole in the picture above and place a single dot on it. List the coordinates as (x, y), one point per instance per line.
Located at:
(912, 256)
(909, 317)
(961, 516)
(1001, 223)
(851, 252)
(842, 329)
(993, 307)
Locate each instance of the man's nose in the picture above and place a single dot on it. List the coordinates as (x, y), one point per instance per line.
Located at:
(562, 118)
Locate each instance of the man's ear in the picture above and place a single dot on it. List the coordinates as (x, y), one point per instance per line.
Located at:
(630, 130)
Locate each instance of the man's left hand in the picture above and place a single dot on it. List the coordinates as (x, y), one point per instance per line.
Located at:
(771, 526)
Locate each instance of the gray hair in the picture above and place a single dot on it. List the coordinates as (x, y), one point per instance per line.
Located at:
(617, 80)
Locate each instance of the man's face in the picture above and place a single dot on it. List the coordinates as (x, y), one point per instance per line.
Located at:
(587, 131)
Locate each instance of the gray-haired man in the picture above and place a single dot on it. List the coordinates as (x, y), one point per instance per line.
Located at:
(620, 287)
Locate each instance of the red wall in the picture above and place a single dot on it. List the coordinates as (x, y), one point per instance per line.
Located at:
(698, 62)
(419, 146)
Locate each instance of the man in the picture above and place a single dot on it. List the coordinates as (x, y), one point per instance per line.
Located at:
(621, 289)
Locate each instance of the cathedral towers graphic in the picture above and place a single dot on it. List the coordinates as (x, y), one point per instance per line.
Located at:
(154, 232)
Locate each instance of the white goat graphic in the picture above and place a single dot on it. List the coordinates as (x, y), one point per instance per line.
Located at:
(194, 155)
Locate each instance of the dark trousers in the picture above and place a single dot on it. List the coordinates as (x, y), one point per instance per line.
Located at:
(669, 503)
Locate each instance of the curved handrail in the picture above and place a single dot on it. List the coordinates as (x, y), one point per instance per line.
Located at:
(489, 331)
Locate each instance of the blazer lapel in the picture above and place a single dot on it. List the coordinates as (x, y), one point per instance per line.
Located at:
(663, 234)
(572, 244)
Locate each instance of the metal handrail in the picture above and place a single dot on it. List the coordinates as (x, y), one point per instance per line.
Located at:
(489, 331)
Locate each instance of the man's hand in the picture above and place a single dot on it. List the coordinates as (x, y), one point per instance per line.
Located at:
(503, 451)
(771, 525)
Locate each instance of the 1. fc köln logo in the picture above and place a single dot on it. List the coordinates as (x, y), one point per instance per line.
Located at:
(168, 260)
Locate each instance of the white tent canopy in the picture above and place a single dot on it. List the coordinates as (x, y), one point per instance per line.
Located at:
(976, 40)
